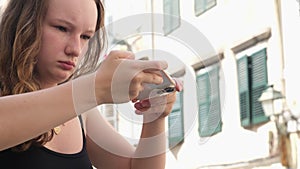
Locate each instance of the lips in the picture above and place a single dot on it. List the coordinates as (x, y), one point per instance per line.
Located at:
(67, 65)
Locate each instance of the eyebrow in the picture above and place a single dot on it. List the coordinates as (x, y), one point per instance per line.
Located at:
(72, 25)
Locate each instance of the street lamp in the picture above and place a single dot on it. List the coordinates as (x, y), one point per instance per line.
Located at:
(271, 100)
(286, 124)
(272, 104)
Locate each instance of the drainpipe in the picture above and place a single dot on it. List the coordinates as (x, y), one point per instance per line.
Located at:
(280, 30)
(152, 27)
(285, 141)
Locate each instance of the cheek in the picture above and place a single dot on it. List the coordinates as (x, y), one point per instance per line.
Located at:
(85, 47)
(50, 48)
(82, 53)
(45, 51)
(51, 41)
(46, 55)
(42, 59)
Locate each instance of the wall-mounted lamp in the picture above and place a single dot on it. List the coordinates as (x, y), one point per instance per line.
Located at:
(271, 100)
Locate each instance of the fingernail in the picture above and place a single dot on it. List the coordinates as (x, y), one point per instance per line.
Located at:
(138, 105)
(178, 85)
(145, 103)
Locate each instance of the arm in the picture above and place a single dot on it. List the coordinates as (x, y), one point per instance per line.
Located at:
(107, 149)
(25, 116)
(113, 156)
(152, 149)
(110, 150)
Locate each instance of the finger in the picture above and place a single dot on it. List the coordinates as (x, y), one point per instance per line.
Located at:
(154, 110)
(130, 56)
(178, 84)
(134, 90)
(139, 106)
(118, 54)
(156, 101)
(152, 65)
(134, 100)
(152, 71)
(153, 78)
(163, 99)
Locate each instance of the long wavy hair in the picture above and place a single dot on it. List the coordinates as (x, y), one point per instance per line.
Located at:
(20, 42)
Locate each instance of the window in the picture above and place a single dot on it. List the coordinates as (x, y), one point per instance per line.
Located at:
(171, 15)
(252, 79)
(176, 129)
(299, 6)
(202, 6)
(210, 121)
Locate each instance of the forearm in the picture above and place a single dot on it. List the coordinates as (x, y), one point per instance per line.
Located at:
(106, 146)
(150, 152)
(25, 116)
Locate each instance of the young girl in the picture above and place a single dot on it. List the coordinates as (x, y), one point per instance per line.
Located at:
(44, 46)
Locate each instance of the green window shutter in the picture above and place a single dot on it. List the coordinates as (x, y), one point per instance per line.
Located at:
(243, 80)
(259, 82)
(203, 100)
(252, 77)
(175, 119)
(209, 103)
(201, 6)
(171, 10)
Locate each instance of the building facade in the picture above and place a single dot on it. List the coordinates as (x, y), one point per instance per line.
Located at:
(227, 52)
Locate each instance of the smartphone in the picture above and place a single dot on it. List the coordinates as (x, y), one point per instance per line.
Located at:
(153, 90)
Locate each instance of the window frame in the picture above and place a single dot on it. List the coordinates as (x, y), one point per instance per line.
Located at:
(171, 16)
(201, 6)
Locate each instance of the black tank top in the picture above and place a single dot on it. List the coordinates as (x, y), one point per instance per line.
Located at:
(43, 158)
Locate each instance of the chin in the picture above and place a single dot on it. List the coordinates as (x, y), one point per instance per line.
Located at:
(64, 79)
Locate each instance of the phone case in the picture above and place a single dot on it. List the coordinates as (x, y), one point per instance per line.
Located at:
(153, 90)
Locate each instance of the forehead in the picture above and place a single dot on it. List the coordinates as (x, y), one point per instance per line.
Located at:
(78, 12)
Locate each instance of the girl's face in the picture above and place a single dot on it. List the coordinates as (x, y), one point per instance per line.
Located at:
(67, 27)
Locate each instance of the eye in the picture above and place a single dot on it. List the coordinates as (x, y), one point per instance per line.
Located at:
(61, 28)
(86, 37)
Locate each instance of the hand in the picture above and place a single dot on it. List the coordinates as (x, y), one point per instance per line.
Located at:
(119, 78)
(158, 107)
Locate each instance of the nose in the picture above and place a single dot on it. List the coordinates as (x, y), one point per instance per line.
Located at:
(73, 47)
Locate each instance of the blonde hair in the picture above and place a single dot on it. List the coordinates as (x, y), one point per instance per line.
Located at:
(21, 32)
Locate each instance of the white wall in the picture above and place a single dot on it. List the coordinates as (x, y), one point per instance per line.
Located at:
(291, 28)
(226, 25)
